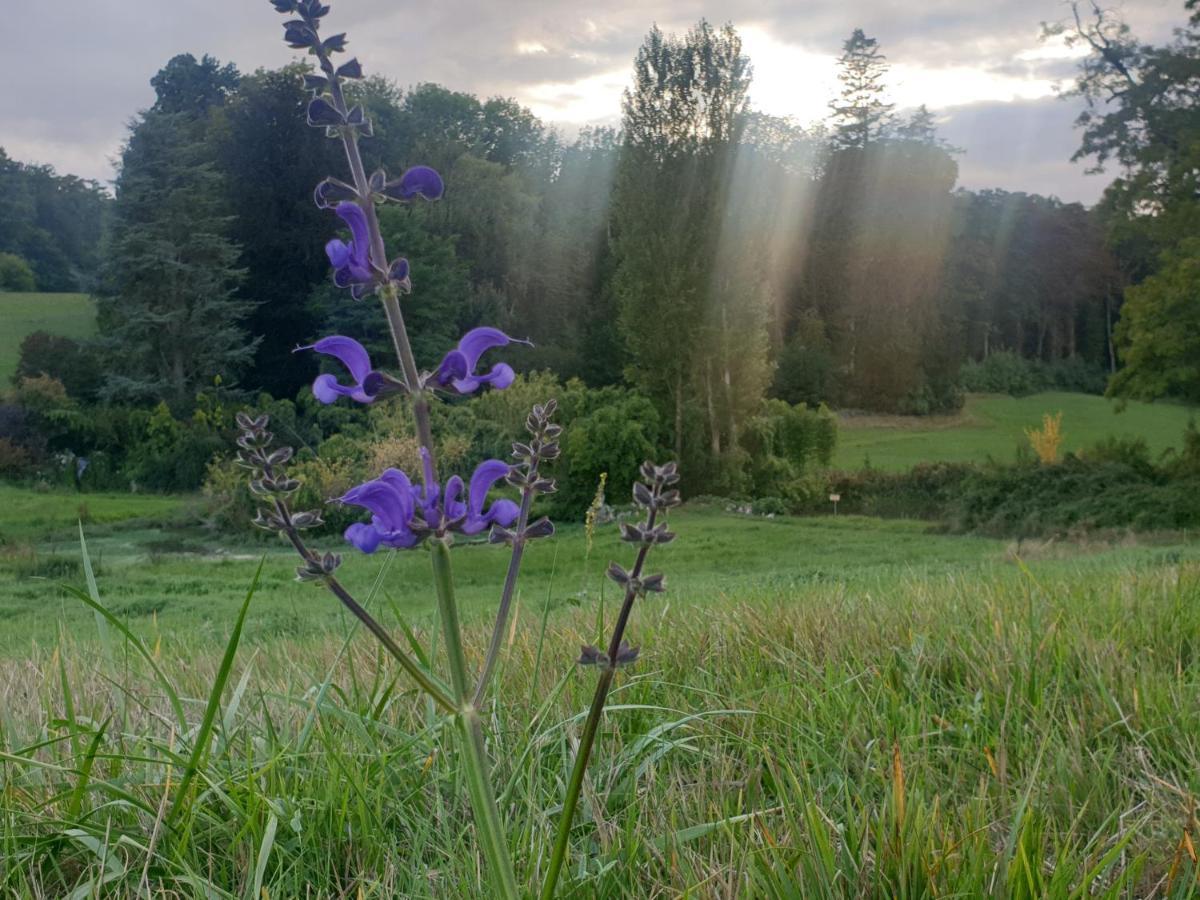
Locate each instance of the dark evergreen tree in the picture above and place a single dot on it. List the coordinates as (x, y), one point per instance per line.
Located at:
(860, 115)
(169, 320)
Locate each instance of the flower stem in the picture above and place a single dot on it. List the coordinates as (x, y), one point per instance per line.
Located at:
(506, 596)
(591, 726)
(431, 685)
(474, 753)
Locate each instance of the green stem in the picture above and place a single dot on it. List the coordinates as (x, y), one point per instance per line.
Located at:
(576, 784)
(474, 754)
(588, 738)
(448, 611)
(487, 817)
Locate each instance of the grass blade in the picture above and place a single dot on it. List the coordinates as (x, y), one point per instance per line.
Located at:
(214, 700)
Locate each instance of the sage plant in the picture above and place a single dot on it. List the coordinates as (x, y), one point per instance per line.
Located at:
(419, 509)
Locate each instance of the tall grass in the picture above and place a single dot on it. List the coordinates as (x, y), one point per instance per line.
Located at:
(935, 736)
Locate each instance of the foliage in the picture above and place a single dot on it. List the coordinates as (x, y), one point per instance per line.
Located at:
(168, 317)
(1047, 440)
(67, 361)
(1006, 372)
(15, 274)
(860, 115)
(1141, 113)
(690, 339)
(53, 225)
(1158, 330)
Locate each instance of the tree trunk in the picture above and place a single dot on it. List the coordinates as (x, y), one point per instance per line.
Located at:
(713, 426)
(679, 417)
(728, 379)
(1108, 332)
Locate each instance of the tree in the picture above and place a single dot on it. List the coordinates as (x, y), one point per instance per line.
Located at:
(1158, 330)
(270, 159)
(1142, 111)
(860, 115)
(682, 124)
(55, 223)
(169, 321)
(15, 274)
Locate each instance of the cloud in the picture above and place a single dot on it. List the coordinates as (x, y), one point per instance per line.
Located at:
(83, 77)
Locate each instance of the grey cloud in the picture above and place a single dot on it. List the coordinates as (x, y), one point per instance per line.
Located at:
(93, 62)
(1021, 146)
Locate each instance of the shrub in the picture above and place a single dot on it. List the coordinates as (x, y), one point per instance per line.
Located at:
(66, 360)
(15, 460)
(612, 439)
(784, 442)
(15, 274)
(1005, 372)
(1047, 440)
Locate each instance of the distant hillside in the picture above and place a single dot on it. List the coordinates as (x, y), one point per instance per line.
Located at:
(992, 425)
(69, 315)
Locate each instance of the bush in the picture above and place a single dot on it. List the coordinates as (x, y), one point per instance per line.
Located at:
(1077, 494)
(15, 274)
(615, 438)
(782, 443)
(75, 366)
(1005, 372)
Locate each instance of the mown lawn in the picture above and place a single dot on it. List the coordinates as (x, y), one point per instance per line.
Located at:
(69, 315)
(991, 427)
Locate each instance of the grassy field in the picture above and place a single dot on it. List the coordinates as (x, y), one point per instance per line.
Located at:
(991, 426)
(841, 709)
(69, 315)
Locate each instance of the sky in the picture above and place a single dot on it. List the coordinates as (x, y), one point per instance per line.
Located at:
(83, 69)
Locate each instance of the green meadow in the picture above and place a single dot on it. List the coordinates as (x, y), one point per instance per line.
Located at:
(990, 427)
(68, 315)
(823, 708)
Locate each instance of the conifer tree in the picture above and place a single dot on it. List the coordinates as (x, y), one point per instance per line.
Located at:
(860, 115)
(169, 321)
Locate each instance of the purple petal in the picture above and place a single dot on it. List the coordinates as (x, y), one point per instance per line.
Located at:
(365, 537)
(349, 352)
(338, 252)
(500, 377)
(452, 504)
(485, 475)
(392, 508)
(478, 341)
(356, 219)
(421, 181)
(452, 368)
(502, 512)
(326, 389)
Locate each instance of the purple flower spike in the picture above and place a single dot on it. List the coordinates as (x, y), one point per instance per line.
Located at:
(352, 262)
(389, 498)
(354, 357)
(458, 366)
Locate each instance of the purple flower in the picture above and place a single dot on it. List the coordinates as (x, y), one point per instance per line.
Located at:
(402, 513)
(389, 498)
(354, 357)
(352, 262)
(419, 181)
(475, 517)
(457, 368)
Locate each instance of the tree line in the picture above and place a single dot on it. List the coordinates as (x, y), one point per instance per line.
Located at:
(705, 254)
